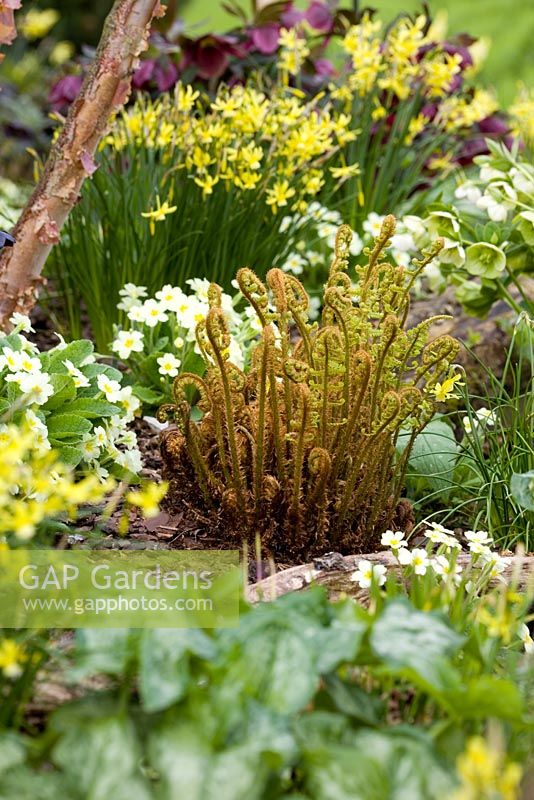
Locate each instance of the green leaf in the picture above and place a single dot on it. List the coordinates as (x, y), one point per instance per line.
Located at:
(89, 408)
(164, 664)
(377, 766)
(64, 392)
(522, 488)
(12, 751)
(408, 639)
(433, 455)
(72, 456)
(101, 755)
(148, 396)
(61, 426)
(105, 651)
(76, 352)
(487, 696)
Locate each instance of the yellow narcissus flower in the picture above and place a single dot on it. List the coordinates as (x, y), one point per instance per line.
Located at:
(279, 195)
(159, 213)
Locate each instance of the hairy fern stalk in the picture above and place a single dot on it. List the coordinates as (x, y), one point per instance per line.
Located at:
(302, 449)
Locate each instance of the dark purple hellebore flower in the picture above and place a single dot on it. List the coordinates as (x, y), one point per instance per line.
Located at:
(6, 240)
(324, 67)
(265, 38)
(165, 76)
(291, 17)
(210, 54)
(65, 91)
(494, 125)
(319, 17)
(143, 74)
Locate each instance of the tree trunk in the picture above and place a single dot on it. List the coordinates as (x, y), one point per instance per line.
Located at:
(105, 89)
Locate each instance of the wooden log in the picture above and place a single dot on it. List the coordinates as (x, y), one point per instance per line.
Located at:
(334, 572)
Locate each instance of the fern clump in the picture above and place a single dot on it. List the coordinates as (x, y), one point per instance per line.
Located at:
(302, 449)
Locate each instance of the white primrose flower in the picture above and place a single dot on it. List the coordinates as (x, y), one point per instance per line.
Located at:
(154, 313)
(136, 313)
(438, 534)
(29, 364)
(295, 264)
(80, 380)
(480, 537)
(168, 365)
(393, 539)
(468, 428)
(479, 549)
(285, 224)
(442, 566)
(526, 638)
(90, 449)
(170, 297)
(128, 439)
(11, 359)
(178, 342)
(356, 245)
(133, 291)
(368, 573)
(33, 422)
(496, 563)
(36, 386)
(235, 354)
(129, 402)
(127, 342)
(373, 224)
(101, 473)
(22, 322)
(100, 437)
(130, 460)
(403, 242)
(419, 561)
(109, 387)
(485, 415)
(200, 287)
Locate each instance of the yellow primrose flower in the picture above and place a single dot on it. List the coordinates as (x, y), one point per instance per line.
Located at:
(36, 24)
(445, 391)
(12, 657)
(148, 498)
(158, 214)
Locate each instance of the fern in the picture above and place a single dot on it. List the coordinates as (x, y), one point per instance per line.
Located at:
(302, 449)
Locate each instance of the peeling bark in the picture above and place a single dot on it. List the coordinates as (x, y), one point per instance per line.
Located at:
(71, 160)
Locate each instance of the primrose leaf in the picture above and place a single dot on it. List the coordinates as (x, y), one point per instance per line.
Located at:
(522, 488)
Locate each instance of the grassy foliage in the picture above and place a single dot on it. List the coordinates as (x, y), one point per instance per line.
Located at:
(302, 449)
